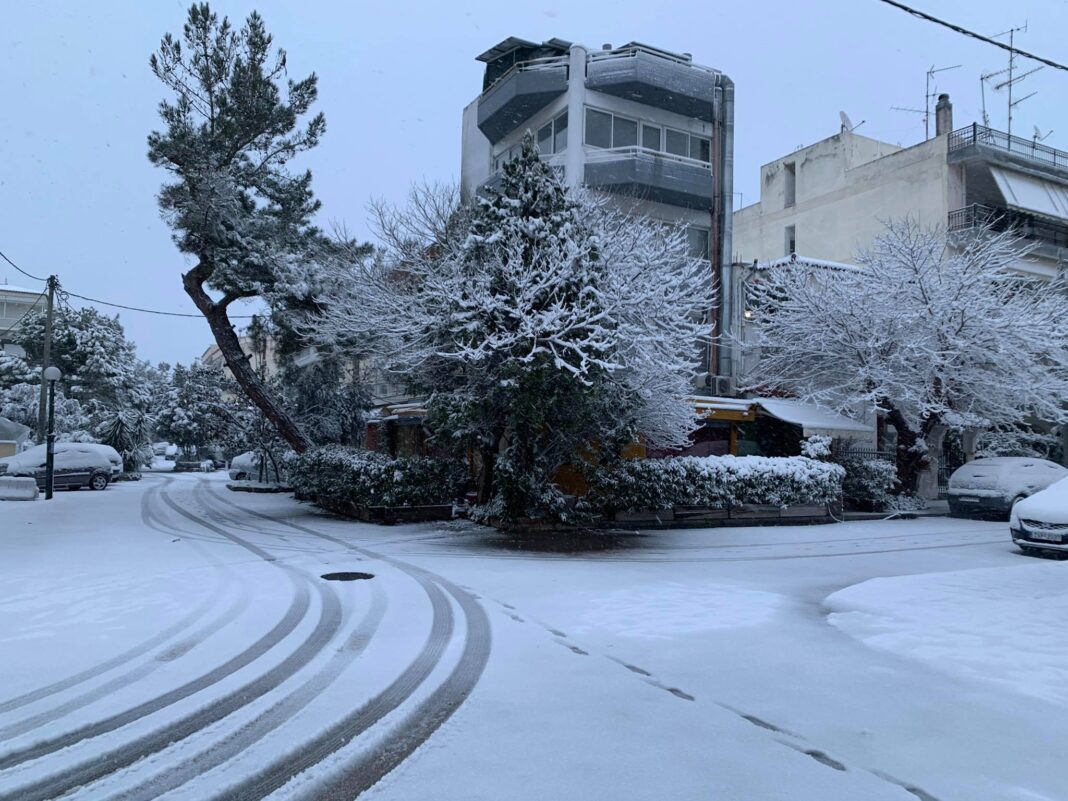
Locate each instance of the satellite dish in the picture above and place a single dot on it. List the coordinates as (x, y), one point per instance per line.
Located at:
(1039, 136)
(847, 124)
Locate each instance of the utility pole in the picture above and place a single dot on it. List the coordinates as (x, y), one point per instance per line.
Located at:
(46, 361)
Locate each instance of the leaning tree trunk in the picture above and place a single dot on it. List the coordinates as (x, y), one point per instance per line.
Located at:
(911, 460)
(230, 347)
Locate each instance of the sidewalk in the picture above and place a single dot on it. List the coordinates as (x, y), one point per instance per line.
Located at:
(939, 508)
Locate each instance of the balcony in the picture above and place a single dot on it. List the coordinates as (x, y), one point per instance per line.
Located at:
(979, 140)
(1047, 234)
(654, 78)
(518, 94)
(651, 175)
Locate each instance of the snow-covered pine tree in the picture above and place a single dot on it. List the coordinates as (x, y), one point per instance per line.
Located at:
(235, 207)
(197, 413)
(543, 326)
(934, 336)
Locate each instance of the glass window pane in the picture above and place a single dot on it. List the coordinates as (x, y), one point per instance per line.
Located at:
(697, 242)
(678, 143)
(651, 137)
(598, 128)
(545, 140)
(624, 133)
(560, 138)
(700, 149)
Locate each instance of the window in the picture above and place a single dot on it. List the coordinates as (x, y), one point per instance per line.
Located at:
(700, 149)
(598, 128)
(791, 240)
(650, 137)
(560, 133)
(697, 242)
(624, 132)
(678, 143)
(545, 140)
(790, 190)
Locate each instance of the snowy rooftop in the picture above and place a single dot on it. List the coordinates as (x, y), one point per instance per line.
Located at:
(804, 261)
(20, 289)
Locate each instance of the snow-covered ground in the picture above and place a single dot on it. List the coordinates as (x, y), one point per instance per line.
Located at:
(169, 639)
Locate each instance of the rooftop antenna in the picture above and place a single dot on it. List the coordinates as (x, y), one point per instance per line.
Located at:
(1039, 136)
(927, 95)
(1011, 80)
(983, 78)
(910, 110)
(847, 124)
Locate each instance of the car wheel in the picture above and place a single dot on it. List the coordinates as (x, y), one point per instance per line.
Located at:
(98, 482)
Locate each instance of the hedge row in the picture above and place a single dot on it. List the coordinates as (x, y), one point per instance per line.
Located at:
(337, 474)
(717, 482)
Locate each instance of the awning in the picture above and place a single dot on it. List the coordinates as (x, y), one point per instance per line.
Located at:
(812, 419)
(738, 410)
(1029, 193)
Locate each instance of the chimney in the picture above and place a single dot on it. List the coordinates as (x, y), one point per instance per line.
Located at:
(606, 46)
(943, 115)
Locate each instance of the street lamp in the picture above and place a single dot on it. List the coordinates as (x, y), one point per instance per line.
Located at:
(51, 375)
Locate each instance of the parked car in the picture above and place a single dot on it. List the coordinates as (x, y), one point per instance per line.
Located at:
(1040, 523)
(990, 486)
(246, 467)
(75, 465)
(109, 453)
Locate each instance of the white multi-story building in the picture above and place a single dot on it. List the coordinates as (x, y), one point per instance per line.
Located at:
(15, 302)
(647, 125)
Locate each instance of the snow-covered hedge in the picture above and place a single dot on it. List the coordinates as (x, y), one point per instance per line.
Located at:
(713, 481)
(337, 474)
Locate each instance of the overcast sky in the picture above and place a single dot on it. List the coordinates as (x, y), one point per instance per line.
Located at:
(77, 195)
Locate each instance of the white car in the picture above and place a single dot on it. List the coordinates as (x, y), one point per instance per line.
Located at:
(246, 467)
(77, 464)
(39, 452)
(990, 486)
(1040, 523)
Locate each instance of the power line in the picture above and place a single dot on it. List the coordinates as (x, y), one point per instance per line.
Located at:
(28, 275)
(927, 17)
(149, 311)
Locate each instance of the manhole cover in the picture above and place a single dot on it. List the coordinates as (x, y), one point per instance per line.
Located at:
(347, 576)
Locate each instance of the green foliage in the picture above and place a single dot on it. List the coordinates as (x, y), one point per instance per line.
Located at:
(870, 482)
(197, 412)
(712, 481)
(130, 433)
(346, 475)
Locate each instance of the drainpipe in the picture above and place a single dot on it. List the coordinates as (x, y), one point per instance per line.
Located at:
(725, 224)
(574, 162)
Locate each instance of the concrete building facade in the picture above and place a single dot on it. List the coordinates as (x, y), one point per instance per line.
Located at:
(648, 126)
(829, 200)
(15, 302)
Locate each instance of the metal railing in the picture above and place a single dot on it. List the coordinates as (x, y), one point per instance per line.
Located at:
(546, 63)
(989, 137)
(636, 151)
(995, 219)
(634, 50)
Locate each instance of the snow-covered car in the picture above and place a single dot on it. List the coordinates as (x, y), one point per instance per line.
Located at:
(41, 451)
(75, 465)
(990, 486)
(246, 467)
(1040, 523)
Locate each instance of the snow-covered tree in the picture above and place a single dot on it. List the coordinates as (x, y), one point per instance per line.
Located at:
(130, 433)
(197, 412)
(15, 370)
(935, 337)
(230, 133)
(542, 324)
(20, 403)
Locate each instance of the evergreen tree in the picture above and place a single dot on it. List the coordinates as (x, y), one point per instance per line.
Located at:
(229, 135)
(130, 433)
(197, 413)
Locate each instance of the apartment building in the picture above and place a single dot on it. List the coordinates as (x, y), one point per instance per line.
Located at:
(829, 200)
(648, 126)
(15, 302)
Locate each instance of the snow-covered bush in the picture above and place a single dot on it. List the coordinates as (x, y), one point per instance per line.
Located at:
(337, 474)
(869, 481)
(817, 446)
(713, 481)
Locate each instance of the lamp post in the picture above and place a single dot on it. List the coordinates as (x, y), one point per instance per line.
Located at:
(51, 375)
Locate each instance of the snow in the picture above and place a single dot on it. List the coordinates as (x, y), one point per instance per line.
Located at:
(811, 418)
(14, 488)
(1005, 476)
(996, 625)
(1048, 506)
(685, 664)
(68, 456)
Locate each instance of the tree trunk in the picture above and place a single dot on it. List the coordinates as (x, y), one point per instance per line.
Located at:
(910, 460)
(230, 347)
(485, 477)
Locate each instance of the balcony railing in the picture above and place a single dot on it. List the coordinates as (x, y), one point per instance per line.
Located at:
(999, 140)
(594, 155)
(1029, 226)
(634, 50)
(547, 63)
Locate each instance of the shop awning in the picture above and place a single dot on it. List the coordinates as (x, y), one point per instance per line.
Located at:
(739, 410)
(812, 419)
(1033, 194)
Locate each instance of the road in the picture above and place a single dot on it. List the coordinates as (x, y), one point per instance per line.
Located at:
(172, 639)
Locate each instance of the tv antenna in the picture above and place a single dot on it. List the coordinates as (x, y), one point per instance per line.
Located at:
(927, 95)
(847, 124)
(1039, 136)
(1013, 79)
(983, 78)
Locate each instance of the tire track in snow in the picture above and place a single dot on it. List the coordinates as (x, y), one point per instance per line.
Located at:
(97, 767)
(416, 727)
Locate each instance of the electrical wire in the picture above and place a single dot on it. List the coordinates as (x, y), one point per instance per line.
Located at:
(958, 29)
(149, 311)
(28, 275)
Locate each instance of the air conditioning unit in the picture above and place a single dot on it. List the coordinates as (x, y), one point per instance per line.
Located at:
(721, 385)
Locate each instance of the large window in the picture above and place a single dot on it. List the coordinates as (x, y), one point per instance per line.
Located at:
(624, 132)
(552, 137)
(651, 137)
(678, 143)
(697, 242)
(598, 128)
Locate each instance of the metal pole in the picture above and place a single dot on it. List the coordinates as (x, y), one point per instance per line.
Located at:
(50, 460)
(46, 360)
(1012, 56)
